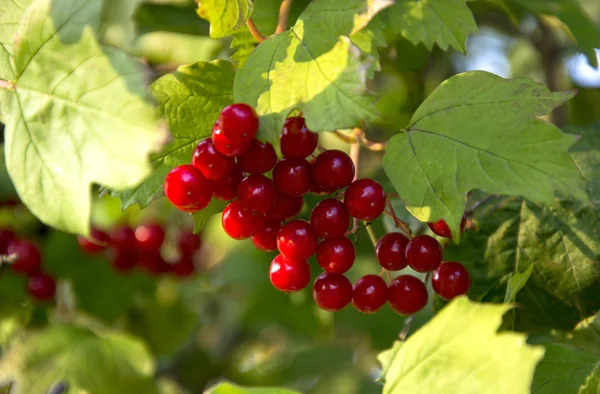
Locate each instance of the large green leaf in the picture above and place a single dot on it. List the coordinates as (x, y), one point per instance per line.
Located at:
(314, 67)
(107, 363)
(446, 23)
(586, 154)
(190, 99)
(202, 217)
(88, 121)
(479, 131)
(460, 351)
(225, 16)
(228, 388)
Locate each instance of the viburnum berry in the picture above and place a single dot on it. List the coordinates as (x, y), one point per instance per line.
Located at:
(336, 255)
(258, 159)
(239, 223)
(391, 251)
(256, 193)
(407, 295)
(332, 292)
(450, 280)
(153, 262)
(183, 267)
(188, 243)
(123, 260)
(330, 219)
(96, 242)
(292, 177)
(226, 189)
(28, 256)
(297, 240)
(6, 237)
(149, 237)
(317, 190)
(441, 229)
(41, 287)
(289, 275)
(424, 253)
(239, 122)
(266, 238)
(297, 141)
(225, 146)
(285, 207)
(188, 189)
(365, 199)
(333, 170)
(123, 237)
(210, 162)
(369, 294)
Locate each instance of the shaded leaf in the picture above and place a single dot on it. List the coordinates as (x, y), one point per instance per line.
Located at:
(228, 388)
(202, 217)
(516, 281)
(586, 154)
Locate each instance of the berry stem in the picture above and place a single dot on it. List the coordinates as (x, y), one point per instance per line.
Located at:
(404, 333)
(386, 273)
(371, 233)
(284, 12)
(254, 31)
(399, 223)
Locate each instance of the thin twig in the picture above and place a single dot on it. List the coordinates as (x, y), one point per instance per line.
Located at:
(359, 135)
(407, 323)
(371, 233)
(284, 13)
(399, 223)
(254, 31)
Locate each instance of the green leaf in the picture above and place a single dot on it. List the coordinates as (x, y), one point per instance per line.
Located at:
(107, 363)
(228, 388)
(446, 23)
(479, 131)
(202, 217)
(586, 154)
(314, 67)
(225, 16)
(460, 351)
(190, 99)
(88, 121)
(516, 281)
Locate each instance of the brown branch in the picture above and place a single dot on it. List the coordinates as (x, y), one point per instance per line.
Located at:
(284, 13)
(254, 31)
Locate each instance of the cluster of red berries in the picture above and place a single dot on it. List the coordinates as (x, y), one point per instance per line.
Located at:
(128, 248)
(25, 258)
(231, 166)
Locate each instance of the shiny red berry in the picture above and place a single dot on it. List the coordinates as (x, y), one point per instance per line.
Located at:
(424, 253)
(6, 237)
(123, 260)
(441, 229)
(149, 237)
(365, 199)
(292, 177)
(256, 193)
(297, 240)
(450, 280)
(336, 255)
(188, 243)
(390, 251)
(266, 238)
(28, 257)
(330, 219)
(297, 141)
(210, 162)
(369, 294)
(285, 207)
(239, 122)
(407, 295)
(239, 223)
(333, 170)
(188, 189)
(225, 146)
(332, 292)
(258, 159)
(289, 275)
(182, 268)
(226, 189)
(123, 237)
(96, 242)
(41, 287)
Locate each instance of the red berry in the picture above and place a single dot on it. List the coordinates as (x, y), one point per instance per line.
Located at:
(226, 189)
(188, 189)
(336, 255)
(239, 223)
(330, 219)
(183, 268)
(6, 237)
(297, 141)
(317, 190)
(225, 146)
(441, 229)
(153, 262)
(390, 251)
(333, 170)
(297, 240)
(256, 193)
(97, 241)
(424, 253)
(332, 292)
(123, 238)
(285, 207)
(365, 199)
(266, 238)
(258, 159)
(369, 294)
(28, 257)
(407, 295)
(210, 162)
(123, 260)
(239, 122)
(41, 287)
(292, 177)
(450, 280)
(149, 237)
(289, 275)
(188, 243)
